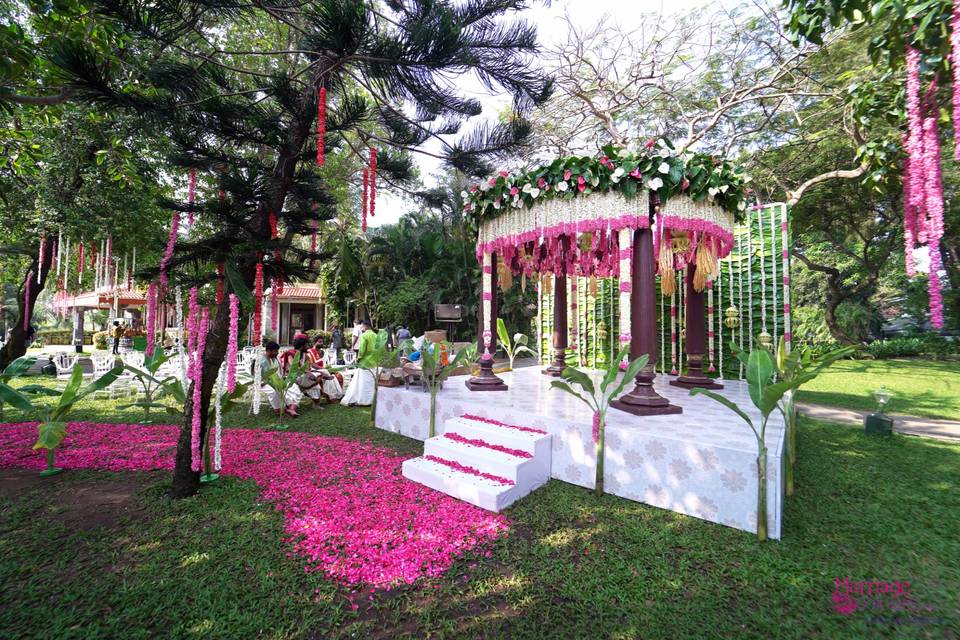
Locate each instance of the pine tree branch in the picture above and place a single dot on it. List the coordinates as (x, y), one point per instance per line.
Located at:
(63, 95)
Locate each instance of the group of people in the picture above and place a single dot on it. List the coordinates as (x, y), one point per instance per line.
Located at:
(315, 382)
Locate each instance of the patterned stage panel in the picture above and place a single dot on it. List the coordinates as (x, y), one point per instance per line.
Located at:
(701, 463)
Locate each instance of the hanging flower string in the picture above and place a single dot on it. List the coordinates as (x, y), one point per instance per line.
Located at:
(955, 68)
(232, 343)
(201, 343)
(218, 426)
(27, 312)
(171, 243)
(321, 125)
(43, 242)
(934, 203)
(366, 194)
(373, 181)
(151, 317)
(220, 268)
(272, 220)
(258, 304)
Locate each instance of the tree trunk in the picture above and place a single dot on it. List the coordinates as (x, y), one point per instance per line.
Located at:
(16, 344)
(186, 481)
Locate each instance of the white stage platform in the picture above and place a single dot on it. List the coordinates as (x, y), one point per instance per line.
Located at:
(701, 463)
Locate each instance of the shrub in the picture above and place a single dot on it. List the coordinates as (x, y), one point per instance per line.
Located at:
(100, 339)
(326, 335)
(924, 344)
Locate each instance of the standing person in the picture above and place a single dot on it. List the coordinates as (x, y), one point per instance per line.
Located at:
(336, 341)
(403, 334)
(360, 391)
(355, 342)
(117, 334)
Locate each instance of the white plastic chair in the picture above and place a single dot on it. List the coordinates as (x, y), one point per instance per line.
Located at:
(64, 363)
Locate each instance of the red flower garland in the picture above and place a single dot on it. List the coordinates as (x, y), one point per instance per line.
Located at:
(220, 268)
(366, 193)
(373, 182)
(476, 442)
(272, 220)
(80, 259)
(469, 416)
(258, 304)
(469, 470)
(321, 125)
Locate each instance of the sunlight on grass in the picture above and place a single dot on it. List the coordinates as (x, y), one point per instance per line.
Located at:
(920, 387)
(194, 558)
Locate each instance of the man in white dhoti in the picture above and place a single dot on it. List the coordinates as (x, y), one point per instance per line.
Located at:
(269, 362)
(360, 390)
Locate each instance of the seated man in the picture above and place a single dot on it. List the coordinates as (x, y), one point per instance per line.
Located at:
(331, 384)
(269, 362)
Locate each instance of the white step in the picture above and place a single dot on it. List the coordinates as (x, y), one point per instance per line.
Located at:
(482, 458)
(478, 491)
(532, 443)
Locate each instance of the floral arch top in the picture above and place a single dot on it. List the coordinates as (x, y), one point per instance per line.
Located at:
(588, 200)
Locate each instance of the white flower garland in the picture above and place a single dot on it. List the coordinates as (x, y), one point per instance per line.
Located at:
(257, 383)
(218, 426)
(785, 271)
(181, 348)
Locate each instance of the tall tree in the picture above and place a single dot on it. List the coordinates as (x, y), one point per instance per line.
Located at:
(235, 87)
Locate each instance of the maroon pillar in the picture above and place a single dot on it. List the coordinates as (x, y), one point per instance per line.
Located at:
(559, 342)
(487, 380)
(643, 400)
(696, 339)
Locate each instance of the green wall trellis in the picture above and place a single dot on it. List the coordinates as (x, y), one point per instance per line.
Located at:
(752, 282)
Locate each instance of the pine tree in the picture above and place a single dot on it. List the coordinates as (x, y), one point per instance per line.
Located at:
(244, 117)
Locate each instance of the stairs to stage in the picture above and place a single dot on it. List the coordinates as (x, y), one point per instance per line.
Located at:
(483, 462)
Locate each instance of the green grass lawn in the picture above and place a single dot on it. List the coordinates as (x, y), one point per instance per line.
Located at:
(928, 388)
(573, 565)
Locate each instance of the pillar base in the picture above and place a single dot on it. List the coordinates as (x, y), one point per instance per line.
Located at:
(643, 400)
(481, 383)
(556, 367)
(691, 382)
(486, 380)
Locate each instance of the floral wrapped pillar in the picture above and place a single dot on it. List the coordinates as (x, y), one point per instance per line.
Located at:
(643, 400)
(486, 380)
(560, 329)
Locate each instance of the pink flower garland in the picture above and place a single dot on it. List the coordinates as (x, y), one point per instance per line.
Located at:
(462, 468)
(934, 203)
(469, 416)
(257, 305)
(321, 124)
(477, 442)
(366, 195)
(168, 254)
(596, 427)
(197, 442)
(151, 317)
(232, 344)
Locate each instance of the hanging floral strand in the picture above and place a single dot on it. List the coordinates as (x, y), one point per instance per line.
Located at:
(366, 194)
(258, 304)
(201, 343)
(151, 317)
(934, 203)
(272, 221)
(955, 68)
(321, 125)
(171, 243)
(43, 243)
(373, 181)
(232, 343)
(218, 426)
(220, 268)
(27, 311)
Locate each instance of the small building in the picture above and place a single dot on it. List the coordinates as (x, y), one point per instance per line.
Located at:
(301, 307)
(125, 303)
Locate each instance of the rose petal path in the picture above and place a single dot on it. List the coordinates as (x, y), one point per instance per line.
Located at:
(346, 506)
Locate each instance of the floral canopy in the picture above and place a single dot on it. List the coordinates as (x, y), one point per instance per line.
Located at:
(524, 216)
